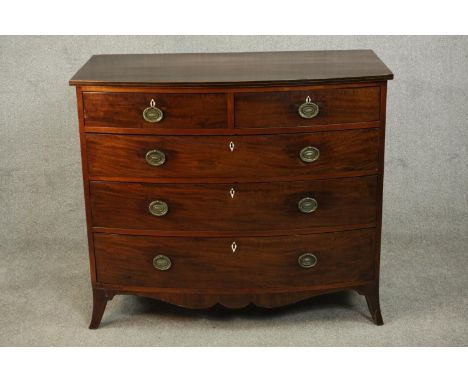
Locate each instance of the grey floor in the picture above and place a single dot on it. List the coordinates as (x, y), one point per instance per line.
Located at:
(423, 298)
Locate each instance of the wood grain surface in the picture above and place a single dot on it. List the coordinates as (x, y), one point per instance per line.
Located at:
(275, 157)
(280, 108)
(251, 100)
(267, 262)
(255, 206)
(246, 69)
(181, 111)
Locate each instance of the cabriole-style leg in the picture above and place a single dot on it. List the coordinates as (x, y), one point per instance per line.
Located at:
(99, 305)
(371, 292)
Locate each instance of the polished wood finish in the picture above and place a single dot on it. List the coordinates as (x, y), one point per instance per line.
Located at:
(247, 69)
(265, 206)
(250, 99)
(232, 131)
(207, 298)
(259, 232)
(276, 157)
(181, 111)
(280, 108)
(100, 298)
(258, 262)
(84, 167)
(371, 292)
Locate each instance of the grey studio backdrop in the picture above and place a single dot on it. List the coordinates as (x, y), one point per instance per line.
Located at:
(45, 294)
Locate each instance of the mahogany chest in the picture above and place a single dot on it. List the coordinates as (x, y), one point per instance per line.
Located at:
(233, 178)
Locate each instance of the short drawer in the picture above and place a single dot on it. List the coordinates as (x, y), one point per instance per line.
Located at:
(155, 110)
(235, 207)
(256, 262)
(312, 155)
(307, 107)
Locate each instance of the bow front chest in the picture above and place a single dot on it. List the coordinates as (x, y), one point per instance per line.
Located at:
(233, 178)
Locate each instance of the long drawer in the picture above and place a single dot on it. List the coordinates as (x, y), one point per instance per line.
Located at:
(257, 262)
(314, 155)
(235, 207)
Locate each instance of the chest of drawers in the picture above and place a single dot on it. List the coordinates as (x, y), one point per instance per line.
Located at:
(233, 178)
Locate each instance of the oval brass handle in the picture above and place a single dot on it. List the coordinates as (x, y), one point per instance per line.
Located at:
(307, 205)
(162, 263)
(155, 157)
(158, 208)
(308, 109)
(309, 154)
(152, 113)
(307, 260)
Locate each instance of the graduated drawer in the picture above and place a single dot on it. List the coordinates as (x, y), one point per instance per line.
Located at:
(179, 111)
(325, 106)
(235, 207)
(257, 262)
(312, 155)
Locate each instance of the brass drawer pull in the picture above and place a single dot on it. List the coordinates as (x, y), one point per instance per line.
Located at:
(158, 208)
(307, 205)
(162, 263)
(155, 157)
(309, 154)
(307, 260)
(152, 113)
(308, 109)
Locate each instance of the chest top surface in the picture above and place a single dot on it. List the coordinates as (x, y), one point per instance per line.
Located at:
(230, 69)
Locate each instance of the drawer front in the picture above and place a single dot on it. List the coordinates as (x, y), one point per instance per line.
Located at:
(282, 109)
(235, 207)
(327, 154)
(257, 262)
(179, 111)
